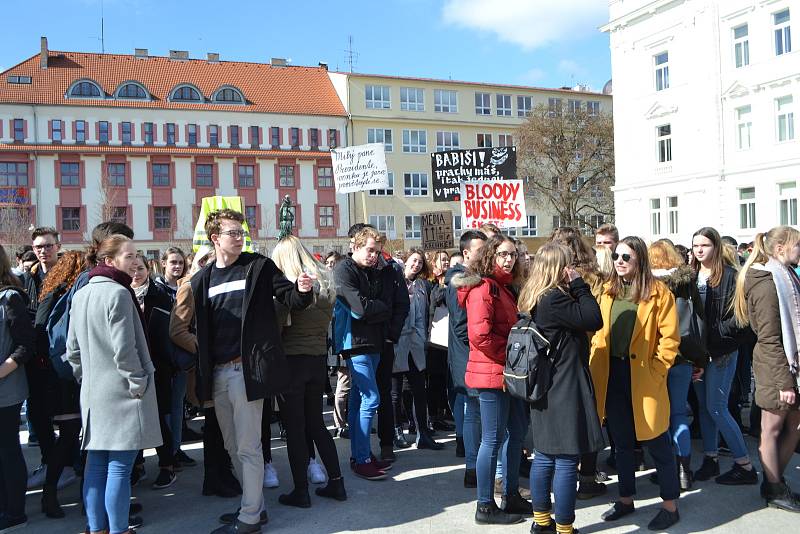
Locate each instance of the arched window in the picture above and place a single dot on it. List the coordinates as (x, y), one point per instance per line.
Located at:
(186, 93)
(132, 90)
(228, 95)
(85, 89)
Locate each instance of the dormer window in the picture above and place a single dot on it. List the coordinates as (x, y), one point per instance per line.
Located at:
(186, 93)
(132, 91)
(228, 95)
(85, 89)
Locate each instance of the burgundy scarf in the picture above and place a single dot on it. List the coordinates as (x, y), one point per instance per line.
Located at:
(122, 279)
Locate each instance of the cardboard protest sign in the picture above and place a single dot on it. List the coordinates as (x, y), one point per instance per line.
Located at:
(437, 230)
(451, 168)
(217, 203)
(500, 202)
(360, 168)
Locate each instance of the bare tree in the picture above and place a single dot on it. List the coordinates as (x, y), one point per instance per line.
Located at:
(16, 225)
(567, 157)
(107, 208)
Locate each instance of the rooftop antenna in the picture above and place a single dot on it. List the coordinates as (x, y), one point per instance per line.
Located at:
(102, 30)
(352, 55)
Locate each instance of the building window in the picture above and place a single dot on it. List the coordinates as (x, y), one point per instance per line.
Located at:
(275, 137)
(119, 214)
(662, 70)
(294, 137)
(213, 135)
(80, 131)
(229, 95)
(415, 184)
(554, 107)
(592, 108)
(445, 101)
(484, 140)
(655, 216)
(19, 130)
(171, 133)
(747, 208)
(505, 140)
(530, 230)
(148, 133)
(503, 105)
(384, 224)
(415, 141)
(744, 125)
(446, 141)
(161, 175)
(127, 136)
(326, 216)
(573, 106)
(741, 46)
(413, 227)
(524, 106)
(162, 218)
(131, 90)
(116, 174)
(234, 136)
(380, 135)
(203, 175)
(103, 132)
(333, 138)
(85, 90)
(787, 203)
(286, 176)
(58, 130)
(672, 212)
(783, 32)
(255, 138)
(313, 138)
(70, 173)
(247, 176)
(13, 174)
(251, 216)
(483, 104)
(378, 97)
(191, 130)
(664, 141)
(71, 219)
(324, 177)
(412, 99)
(785, 118)
(389, 191)
(186, 94)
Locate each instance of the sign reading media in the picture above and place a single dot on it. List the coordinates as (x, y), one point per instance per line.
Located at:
(437, 230)
(451, 168)
(360, 168)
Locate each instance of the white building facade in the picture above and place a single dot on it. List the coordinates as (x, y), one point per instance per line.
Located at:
(704, 120)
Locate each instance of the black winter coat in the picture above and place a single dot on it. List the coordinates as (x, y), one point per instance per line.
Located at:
(566, 421)
(157, 308)
(263, 362)
(723, 335)
(457, 339)
(63, 396)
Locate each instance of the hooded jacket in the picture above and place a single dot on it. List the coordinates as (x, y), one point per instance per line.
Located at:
(457, 338)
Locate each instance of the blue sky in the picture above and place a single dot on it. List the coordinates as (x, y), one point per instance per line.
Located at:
(546, 43)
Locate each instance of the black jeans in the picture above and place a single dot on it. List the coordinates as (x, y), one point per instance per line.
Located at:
(621, 426)
(301, 408)
(436, 382)
(216, 461)
(416, 380)
(163, 381)
(385, 412)
(13, 471)
(266, 430)
(63, 452)
(41, 388)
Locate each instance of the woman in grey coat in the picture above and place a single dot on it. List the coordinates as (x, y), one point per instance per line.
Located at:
(107, 349)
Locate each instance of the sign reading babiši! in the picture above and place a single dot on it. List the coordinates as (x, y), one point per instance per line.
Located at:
(437, 230)
(451, 168)
(500, 202)
(360, 168)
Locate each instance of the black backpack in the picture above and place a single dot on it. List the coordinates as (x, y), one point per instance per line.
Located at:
(529, 361)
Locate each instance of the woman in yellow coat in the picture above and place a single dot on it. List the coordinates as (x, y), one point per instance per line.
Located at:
(629, 361)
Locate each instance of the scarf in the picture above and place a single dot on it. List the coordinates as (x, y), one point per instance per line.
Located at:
(788, 286)
(123, 279)
(141, 293)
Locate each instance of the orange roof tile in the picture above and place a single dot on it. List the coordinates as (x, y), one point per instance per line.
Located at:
(163, 150)
(267, 89)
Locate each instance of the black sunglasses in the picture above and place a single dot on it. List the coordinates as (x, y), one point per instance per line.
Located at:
(625, 257)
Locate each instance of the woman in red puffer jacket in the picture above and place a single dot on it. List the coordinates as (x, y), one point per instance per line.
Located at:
(485, 292)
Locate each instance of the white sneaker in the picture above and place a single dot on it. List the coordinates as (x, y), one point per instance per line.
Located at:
(316, 474)
(270, 476)
(67, 478)
(36, 478)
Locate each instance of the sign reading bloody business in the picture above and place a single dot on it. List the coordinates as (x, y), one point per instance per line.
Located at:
(500, 202)
(437, 230)
(451, 168)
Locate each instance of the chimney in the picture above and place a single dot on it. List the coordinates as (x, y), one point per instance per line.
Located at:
(213, 57)
(323, 65)
(178, 54)
(140, 53)
(278, 62)
(44, 54)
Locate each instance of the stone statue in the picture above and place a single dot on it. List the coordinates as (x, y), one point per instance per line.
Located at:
(286, 217)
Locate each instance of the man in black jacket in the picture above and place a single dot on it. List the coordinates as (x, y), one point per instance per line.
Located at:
(240, 358)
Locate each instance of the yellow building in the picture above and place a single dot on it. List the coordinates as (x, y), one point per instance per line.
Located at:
(415, 117)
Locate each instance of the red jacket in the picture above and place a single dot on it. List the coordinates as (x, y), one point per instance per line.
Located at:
(491, 312)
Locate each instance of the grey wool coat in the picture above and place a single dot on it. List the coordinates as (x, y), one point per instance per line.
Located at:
(107, 349)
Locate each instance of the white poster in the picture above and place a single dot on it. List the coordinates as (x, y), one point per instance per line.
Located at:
(360, 168)
(500, 202)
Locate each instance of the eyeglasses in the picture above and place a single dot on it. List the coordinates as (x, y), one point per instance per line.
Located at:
(505, 254)
(625, 257)
(236, 234)
(46, 246)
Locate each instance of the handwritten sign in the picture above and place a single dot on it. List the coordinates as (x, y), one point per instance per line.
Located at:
(500, 202)
(437, 230)
(360, 168)
(451, 168)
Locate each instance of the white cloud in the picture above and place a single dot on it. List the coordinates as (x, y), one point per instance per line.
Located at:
(529, 23)
(534, 76)
(571, 68)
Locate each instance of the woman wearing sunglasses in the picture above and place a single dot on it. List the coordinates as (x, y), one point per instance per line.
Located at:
(629, 361)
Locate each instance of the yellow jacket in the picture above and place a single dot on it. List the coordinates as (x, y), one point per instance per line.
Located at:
(654, 345)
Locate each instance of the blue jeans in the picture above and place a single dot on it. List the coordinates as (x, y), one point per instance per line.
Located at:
(472, 430)
(678, 381)
(176, 410)
(558, 472)
(712, 396)
(458, 413)
(363, 403)
(107, 489)
(499, 413)
(511, 451)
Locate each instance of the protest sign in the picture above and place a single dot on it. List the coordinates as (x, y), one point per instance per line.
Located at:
(360, 168)
(437, 230)
(500, 202)
(217, 203)
(451, 168)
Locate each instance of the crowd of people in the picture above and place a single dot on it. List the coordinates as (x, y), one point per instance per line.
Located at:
(648, 345)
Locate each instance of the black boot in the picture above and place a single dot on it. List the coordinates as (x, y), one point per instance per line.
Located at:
(709, 468)
(425, 441)
(589, 487)
(780, 496)
(50, 506)
(515, 504)
(490, 514)
(297, 498)
(400, 441)
(334, 490)
(685, 476)
(470, 478)
(460, 452)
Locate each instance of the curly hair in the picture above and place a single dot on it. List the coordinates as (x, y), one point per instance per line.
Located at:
(65, 271)
(484, 262)
(214, 220)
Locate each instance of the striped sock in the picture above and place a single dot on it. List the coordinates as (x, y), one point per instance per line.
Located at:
(563, 529)
(542, 519)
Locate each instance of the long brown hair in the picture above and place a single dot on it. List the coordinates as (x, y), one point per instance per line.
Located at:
(7, 278)
(664, 255)
(643, 282)
(584, 258)
(483, 263)
(425, 272)
(65, 271)
(717, 265)
(546, 272)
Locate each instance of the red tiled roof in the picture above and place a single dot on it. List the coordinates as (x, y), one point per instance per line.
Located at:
(158, 150)
(267, 89)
